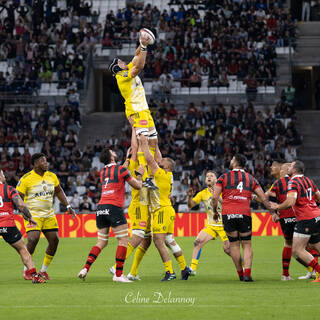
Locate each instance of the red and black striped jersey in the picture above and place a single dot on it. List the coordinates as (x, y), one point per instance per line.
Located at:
(7, 193)
(280, 188)
(305, 207)
(113, 178)
(236, 188)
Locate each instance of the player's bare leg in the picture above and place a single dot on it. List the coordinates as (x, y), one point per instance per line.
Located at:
(138, 256)
(245, 239)
(200, 241)
(33, 237)
(27, 261)
(226, 247)
(299, 251)
(159, 241)
(53, 241)
(235, 252)
(103, 236)
(121, 233)
(178, 254)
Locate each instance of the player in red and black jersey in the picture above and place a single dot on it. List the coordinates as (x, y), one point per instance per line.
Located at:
(9, 197)
(236, 187)
(286, 218)
(110, 211)
(302, 196)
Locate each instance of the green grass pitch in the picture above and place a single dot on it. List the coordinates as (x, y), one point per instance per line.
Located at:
(215, 293)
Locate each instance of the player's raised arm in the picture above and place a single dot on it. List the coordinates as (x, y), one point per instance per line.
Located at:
(152, 164)
(137, 183)
(139, 58)
(215, 197)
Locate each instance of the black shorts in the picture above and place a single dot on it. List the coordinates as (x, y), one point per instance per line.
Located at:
(10, 234)
(287, 227)
(237, 222)
(108, 215)
(309, 227)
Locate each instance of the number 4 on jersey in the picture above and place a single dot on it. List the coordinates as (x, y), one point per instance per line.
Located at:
(240, 186)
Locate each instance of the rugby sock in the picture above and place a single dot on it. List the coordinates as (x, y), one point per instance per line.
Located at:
(286, 257)
(240, 273)
(168, 266)
(182, 262)
(194, 264)
(120, 258)
(46, 262)
(130, 249)
(93, 255)
(140, 252)
(315, 254)
(247, 272)
(314, 264)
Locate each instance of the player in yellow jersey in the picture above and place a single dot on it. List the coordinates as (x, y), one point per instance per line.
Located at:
(140, 219)
(213, 228)
(131, 88)
(38, 189)
(163, 217)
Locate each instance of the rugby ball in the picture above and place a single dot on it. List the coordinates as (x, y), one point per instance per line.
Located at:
(149, 33)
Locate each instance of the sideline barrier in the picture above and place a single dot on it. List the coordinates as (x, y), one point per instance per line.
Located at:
(186, 225)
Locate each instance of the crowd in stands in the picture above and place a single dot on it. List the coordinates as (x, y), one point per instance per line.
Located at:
(45, 41)
(203, 137)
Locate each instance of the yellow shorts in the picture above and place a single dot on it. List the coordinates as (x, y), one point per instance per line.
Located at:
(44, 224)
(142, 119)
(163, 220)
(139, 217)
(214, 232)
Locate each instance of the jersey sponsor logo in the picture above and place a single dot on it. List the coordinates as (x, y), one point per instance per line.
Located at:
(103, 212)
(234, 216)
(231, 197)
(142, 224)
(4, 214)
(290, 220)
(43, 194)
(3, 230)
(143, 122)
(108, 192)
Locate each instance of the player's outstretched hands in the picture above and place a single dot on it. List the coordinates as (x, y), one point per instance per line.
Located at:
(72, 211)
(274, 206)
(129, 153)
(144, 39)
(33, 223)
(141, 169)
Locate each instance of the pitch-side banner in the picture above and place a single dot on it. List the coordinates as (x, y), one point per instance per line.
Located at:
(186, 225)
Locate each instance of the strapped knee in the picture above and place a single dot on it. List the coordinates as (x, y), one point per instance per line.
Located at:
(143, 131)
(175, 248)
(233, 239)
(120, 234)
(244, 238)
(138, 232)
(103, 236)
(153, 134)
